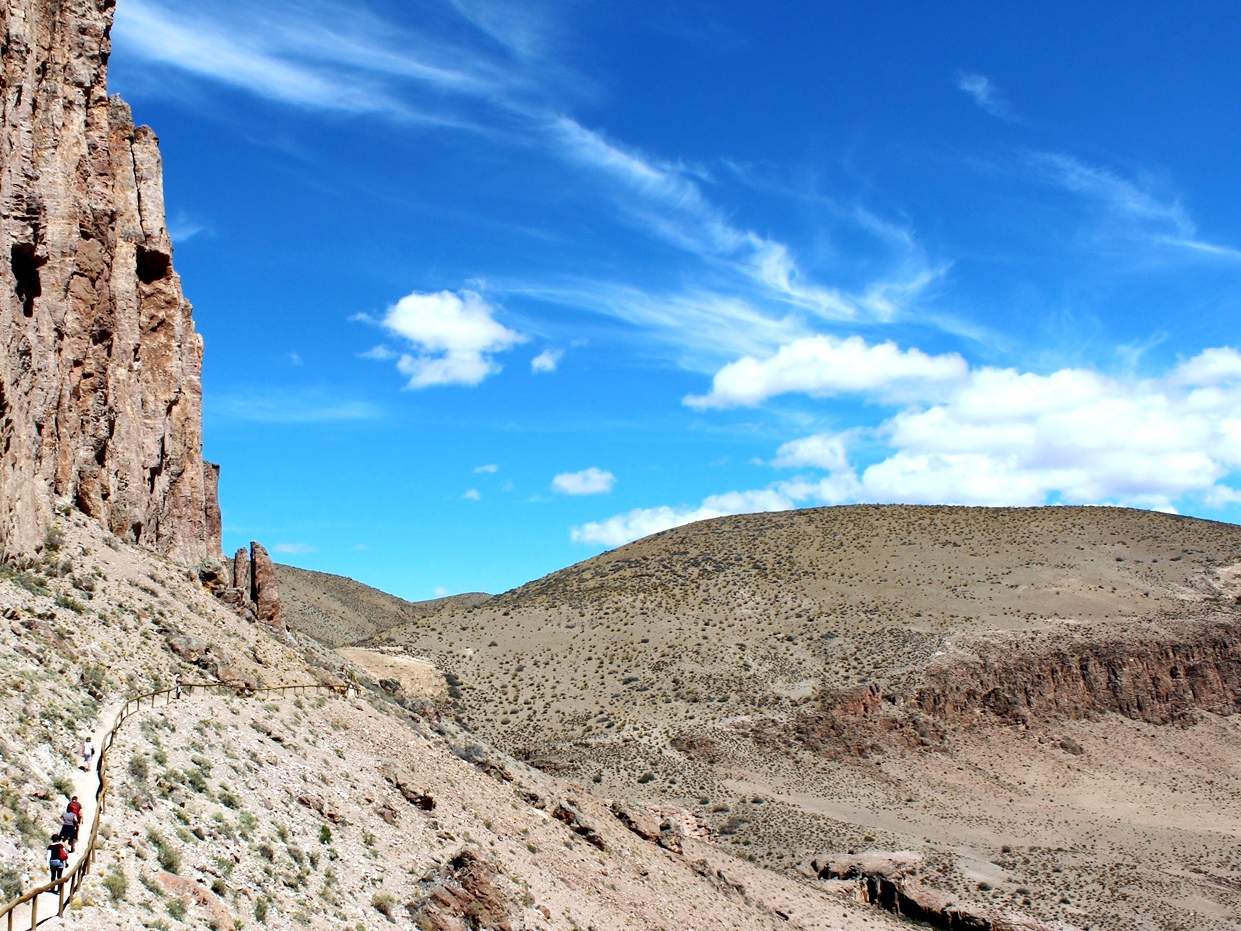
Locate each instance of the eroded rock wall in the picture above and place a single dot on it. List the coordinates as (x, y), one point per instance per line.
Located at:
(100, 378)
(1157, 675)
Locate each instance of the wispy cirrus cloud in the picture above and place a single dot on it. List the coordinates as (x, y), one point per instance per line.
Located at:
(318, 55)
(668, 199)
(984, 93)
(293, 549)
(288, 406)
(500, 79)
(1131, 208)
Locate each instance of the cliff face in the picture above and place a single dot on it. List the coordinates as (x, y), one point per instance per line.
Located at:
(1157, 676)
(100, 378)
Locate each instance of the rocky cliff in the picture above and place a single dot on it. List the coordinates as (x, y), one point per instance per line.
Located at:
(100, 389)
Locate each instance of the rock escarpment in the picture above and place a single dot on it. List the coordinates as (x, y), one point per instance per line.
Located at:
(1158, 675)
(100, 378)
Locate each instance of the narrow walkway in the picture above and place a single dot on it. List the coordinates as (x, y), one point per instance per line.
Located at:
(85, 786)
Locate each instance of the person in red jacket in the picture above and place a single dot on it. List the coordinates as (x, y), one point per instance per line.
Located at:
(57, 857)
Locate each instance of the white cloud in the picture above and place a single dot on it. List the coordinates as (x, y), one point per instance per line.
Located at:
(379, 353)
(293, 548)
(441, 592)
(642, 522)
(826, 365)
(489, 469)
(181, 229)
(472, 495)
(455, 334)
(1132, 211)
(326, 56)
(546, 361)
(827, 451)
(592, 481)
(295, 358)
(1004, 437)
(1210, 367)
(667, 199)
(293, 407)
(985, 94)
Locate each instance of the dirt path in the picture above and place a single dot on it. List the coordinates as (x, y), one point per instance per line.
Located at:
(85, 786)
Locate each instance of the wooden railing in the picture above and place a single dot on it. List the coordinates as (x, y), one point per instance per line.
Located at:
(68, 884)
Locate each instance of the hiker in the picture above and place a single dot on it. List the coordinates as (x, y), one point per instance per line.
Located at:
(69, 822)
(57, 858)
(178, 685)
(87, 753)
(76, 807)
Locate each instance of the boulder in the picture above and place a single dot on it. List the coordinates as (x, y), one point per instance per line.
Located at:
(405, 783)
(188, 647)
(567, 813)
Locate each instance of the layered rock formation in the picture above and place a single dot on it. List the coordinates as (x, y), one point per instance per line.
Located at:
(100, 388)
(1157, 674)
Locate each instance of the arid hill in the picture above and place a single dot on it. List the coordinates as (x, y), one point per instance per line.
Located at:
(1014, 694)
(310, 811)
(338, 611)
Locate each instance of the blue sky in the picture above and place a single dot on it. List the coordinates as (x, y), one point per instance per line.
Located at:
(488, 287)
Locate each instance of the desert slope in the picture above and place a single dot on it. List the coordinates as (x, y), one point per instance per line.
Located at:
(980, 686)
(337, 610)
(230, 811)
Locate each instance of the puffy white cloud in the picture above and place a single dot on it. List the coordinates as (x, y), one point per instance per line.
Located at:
(827, 451)
(1210, 367)
(826, 365)
(546, 361)
(1003, 437)
(1007, 437)
(490, 469)
(455, 335)
(590, 481)
(642, 522)
(472, 495)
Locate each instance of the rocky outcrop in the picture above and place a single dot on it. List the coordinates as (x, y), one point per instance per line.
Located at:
(241, 573)
(889, 880)
(255, 592)
(211, 659)
(100, 377)
(1157, 675)
(265, 588)
(466, 892)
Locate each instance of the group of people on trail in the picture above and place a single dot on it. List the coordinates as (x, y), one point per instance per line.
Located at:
(70, 822)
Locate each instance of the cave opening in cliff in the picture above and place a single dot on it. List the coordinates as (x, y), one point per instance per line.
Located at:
(152, 265)
(26, 264)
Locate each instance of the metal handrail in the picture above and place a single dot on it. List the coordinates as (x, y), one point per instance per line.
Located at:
(73, 878)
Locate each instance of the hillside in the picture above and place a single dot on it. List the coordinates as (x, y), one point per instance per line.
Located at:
(338, 611)
(308, 811)
(924, 678)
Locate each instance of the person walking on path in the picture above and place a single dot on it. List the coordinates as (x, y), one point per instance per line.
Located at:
(87, 753)
(57, 858)
(178, 684)
(76, 807)
(69, 822)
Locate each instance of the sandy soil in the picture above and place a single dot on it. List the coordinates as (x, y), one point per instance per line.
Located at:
(419, 678)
